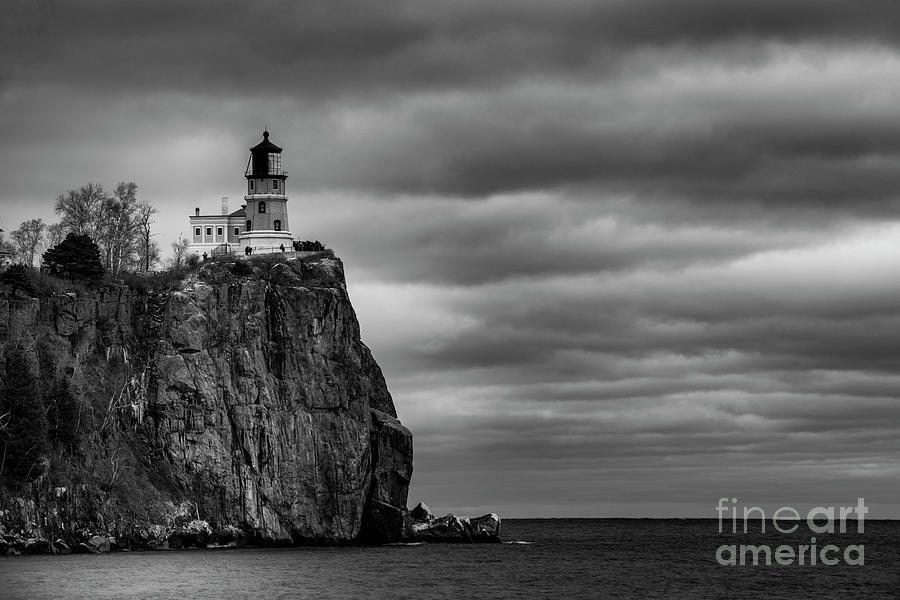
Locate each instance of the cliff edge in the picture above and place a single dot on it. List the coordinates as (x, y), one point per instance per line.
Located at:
(238, 400)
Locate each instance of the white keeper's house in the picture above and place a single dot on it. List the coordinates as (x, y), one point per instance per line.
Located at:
(261, 224)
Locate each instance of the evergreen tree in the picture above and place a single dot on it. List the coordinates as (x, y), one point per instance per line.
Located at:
(76, 257)
(24, 438)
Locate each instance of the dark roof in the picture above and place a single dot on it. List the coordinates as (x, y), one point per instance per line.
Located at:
(238, 213)
(265, 145)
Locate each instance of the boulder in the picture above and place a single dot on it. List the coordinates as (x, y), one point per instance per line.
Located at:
(229, 536)
(451, 528)
(99, 543)
(485, 528)
(421, 513)
(448, 528)
(195, 534)
(37, 546)
(83, 548)
(158, 545)
(16, 543)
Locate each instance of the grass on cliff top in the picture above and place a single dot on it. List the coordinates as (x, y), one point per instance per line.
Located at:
(214, 270)
(41, 284)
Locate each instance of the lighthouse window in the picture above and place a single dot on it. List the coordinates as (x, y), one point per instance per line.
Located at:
(251, 184)
(274, 163)
(248, 226)
(274, 184)
(277, 225)
(261, 207)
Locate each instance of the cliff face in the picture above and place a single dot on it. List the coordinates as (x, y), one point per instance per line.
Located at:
(246, 394)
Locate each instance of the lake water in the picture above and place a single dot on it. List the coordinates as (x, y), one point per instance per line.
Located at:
(565, 559)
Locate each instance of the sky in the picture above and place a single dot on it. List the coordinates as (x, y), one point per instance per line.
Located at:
(615, 258)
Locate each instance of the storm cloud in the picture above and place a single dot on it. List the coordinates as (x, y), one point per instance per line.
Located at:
(615, 258)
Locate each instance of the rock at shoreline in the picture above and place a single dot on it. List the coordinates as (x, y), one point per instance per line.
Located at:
(421, 513)
(229, 536)
(448, 528)
(38, 546)
(486, 528)
(99, 543)
(451, 528)
(195, 534)
(158, 545)
(83, 548)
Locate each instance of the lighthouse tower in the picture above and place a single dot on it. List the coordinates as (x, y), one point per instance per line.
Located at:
(266, 228)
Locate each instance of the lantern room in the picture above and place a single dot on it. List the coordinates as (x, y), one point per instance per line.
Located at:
(264, 173)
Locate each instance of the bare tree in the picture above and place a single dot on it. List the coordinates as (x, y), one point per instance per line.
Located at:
(148, 250)
(117, 222)
(118, 228)
(179, 249)
(27, 238)
(55, 234)
(150, 255)
(82, 210)
(5, 246)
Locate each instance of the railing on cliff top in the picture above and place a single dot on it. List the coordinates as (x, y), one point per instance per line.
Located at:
(268, 251)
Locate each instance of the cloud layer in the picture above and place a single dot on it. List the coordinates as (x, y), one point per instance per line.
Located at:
(615, 258)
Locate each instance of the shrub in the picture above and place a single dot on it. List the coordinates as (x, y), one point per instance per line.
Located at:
(135, 281)
(241, 269)
(18, 277)
(46, 285)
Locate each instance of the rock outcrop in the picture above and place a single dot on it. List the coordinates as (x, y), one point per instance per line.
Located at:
(423, 526)
(243, 400)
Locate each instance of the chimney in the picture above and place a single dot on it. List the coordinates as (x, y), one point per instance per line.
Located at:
(197, 212)
(224, 205)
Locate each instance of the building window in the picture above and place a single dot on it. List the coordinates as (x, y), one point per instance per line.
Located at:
(196, 231)
(209, 232)
(274, 184)
(219, 231)
(237, 231)
(248, 226)
(251, 185)
(277, 225)
(261, 207)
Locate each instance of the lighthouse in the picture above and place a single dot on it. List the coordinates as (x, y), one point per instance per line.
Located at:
(262, 223)
(266, 228)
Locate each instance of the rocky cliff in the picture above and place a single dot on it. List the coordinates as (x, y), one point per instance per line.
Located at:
(240, 397)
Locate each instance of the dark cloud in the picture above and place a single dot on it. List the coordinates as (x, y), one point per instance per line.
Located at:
(721, 104)
(339, 45)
